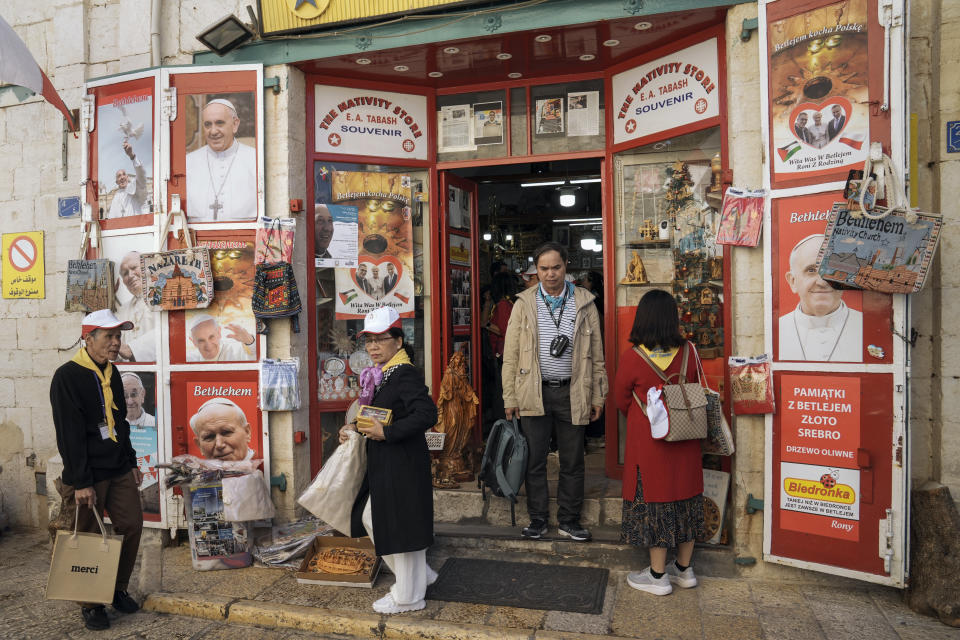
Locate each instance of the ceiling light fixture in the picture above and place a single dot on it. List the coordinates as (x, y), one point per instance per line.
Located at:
(508, 237)
(401, 68)
(515, 74)
(587, 57)
(435, 74)
(642, 26)
(544, 38)
(504, 56)
(587, 243)
(611, 42)
(487, 236)
(584, 180)
(598, 247)
(580, 220)
(363, 60)
(568, 196)
(553, 183)
(451, 50)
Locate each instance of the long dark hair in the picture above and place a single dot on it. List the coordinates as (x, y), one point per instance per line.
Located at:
(503, 286)
(657, 321)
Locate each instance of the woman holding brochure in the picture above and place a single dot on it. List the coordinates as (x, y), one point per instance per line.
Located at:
(662, 481)
(395, 502)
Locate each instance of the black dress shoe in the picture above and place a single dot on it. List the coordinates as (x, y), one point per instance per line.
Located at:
(95, 618)
(123, 603)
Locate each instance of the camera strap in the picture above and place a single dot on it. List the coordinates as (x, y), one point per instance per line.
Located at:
(558, 318)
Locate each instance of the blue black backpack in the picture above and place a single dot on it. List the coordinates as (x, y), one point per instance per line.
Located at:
(504, 463)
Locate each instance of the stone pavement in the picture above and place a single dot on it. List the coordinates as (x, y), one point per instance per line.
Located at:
(269, 603)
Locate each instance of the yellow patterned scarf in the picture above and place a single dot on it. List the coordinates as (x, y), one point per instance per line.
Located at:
(83, 359)
(661, 357)
(400, 357)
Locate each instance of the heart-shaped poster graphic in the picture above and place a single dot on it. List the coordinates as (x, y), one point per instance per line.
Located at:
(834, 113)
(377, 277)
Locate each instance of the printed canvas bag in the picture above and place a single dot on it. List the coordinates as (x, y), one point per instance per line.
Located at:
(275, 295)
(178, 279)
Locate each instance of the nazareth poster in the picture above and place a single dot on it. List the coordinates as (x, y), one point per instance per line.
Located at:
(384, 272)
(176, 280)
(819, 111)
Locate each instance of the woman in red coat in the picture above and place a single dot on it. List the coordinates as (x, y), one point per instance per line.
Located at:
(662, 481)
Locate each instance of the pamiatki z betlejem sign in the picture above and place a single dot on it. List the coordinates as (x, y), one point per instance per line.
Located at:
(370, 123)
(670, 92)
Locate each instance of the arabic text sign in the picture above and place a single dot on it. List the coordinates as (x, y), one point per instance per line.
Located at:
(23, 265)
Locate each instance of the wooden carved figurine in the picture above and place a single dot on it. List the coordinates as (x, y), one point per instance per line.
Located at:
(636, 272)
(456, 416)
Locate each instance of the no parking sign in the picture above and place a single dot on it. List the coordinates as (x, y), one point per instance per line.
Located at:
(22, 261)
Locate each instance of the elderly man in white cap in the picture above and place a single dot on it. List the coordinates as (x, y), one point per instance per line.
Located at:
(221, 175)
(221, 430)
(207, 336)
(99, 462)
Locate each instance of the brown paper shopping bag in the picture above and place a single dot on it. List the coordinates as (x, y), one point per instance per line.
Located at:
(84, 565)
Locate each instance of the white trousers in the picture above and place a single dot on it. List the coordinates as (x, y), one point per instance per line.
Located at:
(412, 572)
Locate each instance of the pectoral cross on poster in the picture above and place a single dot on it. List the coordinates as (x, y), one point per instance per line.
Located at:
(216, 207)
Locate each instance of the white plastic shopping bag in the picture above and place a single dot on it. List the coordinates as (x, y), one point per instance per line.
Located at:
(657, 413)
(246, 498)
(331, 495)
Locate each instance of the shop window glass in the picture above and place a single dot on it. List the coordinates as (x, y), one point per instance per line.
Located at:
(518, 122)
(471, 126)
(667, 198)
(392, 242)
(567, 117)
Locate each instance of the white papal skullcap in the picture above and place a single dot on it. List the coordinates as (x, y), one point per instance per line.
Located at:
(200, 319)
(224, 102)
(218, 402)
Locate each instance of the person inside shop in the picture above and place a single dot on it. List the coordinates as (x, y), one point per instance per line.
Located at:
(206, 335)
(139, 344)
(323, 232)
(529, 277)
(662, 481)
(222, 431)
(592, 281)
(822, 327)
(503, 289)
(554, 378)
(222, 174)
(99, 462)
(143, 436)
(130, 197)
(395, 502)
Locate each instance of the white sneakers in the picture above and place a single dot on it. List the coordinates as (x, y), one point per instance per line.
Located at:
(685, 579)
(387, 604)
(644, 581)
(662, 586)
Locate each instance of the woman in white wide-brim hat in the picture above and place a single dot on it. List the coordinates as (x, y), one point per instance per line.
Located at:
(395, 502)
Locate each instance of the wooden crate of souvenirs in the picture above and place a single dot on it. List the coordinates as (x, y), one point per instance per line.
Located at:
(340, 562)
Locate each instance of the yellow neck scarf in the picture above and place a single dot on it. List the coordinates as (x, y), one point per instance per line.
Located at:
(661, 357)
(83, 359)
(400, 357)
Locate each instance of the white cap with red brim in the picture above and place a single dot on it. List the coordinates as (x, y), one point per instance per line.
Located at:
(381, 320)
(103, 319)
(530, 272)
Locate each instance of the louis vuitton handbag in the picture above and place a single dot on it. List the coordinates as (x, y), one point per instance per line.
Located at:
(84, 565)
(685, 402)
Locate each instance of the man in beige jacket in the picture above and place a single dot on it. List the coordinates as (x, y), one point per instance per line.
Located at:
(554, 378)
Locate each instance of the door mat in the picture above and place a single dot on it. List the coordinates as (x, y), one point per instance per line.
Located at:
(521, 584)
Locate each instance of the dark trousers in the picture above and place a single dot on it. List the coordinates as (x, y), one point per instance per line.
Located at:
(120, 496)
(537, 430)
